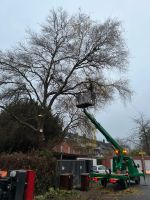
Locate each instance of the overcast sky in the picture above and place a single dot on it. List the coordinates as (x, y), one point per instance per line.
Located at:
(18, 15)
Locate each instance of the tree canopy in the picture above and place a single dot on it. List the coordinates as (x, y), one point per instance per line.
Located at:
(15, 136)
(55, 65)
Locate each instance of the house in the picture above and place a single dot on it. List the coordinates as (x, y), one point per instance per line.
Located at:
(104, 149)
(80, 146)
(70, 148)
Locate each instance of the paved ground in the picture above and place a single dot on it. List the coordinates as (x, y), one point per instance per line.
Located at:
(142, 191)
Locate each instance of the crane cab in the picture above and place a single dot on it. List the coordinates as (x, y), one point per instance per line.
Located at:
(128, 167)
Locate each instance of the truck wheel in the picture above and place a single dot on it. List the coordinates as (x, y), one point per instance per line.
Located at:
(124, 184)
(137, 180)
(104, 182)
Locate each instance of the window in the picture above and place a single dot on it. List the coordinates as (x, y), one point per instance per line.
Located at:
(102, 168)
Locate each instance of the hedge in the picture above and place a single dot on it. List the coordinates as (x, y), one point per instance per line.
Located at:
(43, 163)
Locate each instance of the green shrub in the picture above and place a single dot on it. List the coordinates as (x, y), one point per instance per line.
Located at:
(41, 162)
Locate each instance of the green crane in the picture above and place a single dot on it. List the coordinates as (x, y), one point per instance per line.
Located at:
(124, 167)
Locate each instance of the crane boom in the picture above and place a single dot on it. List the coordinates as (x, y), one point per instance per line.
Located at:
(103, 131)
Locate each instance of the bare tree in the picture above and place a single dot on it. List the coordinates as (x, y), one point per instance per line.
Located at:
(58, 63)
(142, 132)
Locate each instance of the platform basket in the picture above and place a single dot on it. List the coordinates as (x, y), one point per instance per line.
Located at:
(85, 100)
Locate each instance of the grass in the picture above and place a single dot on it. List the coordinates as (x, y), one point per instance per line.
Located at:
(97, 193)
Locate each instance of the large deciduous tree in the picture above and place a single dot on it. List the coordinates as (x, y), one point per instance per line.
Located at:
(69, 54)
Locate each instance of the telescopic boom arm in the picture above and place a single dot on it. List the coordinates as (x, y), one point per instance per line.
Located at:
(104, 132)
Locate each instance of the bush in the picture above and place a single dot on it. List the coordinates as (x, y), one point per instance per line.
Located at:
(43, 163)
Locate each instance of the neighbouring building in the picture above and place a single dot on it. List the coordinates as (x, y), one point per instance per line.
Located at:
(79, 146)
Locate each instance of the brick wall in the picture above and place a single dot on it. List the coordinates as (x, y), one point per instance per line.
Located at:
(64, 147)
